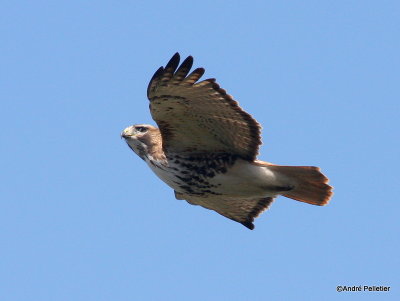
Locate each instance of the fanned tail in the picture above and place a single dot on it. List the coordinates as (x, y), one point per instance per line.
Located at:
(309, 184)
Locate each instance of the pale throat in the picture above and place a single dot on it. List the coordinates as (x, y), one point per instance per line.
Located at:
(148, 150)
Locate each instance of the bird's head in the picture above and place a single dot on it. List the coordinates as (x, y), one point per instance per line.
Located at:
(143, 139)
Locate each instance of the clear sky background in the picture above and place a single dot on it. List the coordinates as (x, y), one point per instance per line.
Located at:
(83, 218)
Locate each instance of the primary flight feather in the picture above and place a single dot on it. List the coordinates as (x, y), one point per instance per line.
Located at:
(205, 148)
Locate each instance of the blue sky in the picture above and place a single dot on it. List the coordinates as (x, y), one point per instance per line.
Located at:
(83, 218)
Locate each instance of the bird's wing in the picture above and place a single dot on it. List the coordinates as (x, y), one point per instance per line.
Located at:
(199, 117)
(243, 211)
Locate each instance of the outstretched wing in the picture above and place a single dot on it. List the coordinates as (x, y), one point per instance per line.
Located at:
(199, 117)
(243, 211)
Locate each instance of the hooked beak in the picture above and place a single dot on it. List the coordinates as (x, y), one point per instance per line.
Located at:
(127, 133)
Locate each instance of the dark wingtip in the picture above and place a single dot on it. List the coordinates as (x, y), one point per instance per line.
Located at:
(173, 62)
(158, 72)
(187, 63)
(201, 71)
(154, 77)
(248, 225)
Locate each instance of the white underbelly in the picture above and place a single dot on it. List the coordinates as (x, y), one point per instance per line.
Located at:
(242, 179)
(164, 175)
(245, 179)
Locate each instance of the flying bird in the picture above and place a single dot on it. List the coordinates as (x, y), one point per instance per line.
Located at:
(205, 148)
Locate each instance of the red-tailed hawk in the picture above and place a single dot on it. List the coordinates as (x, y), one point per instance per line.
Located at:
(206, 149)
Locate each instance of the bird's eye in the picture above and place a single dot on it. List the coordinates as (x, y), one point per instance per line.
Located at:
(141, 129)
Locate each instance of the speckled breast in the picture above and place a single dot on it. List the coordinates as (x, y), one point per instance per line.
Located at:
(191, 174)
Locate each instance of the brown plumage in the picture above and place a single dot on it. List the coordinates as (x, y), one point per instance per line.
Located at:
(199, 116)
(206, 148)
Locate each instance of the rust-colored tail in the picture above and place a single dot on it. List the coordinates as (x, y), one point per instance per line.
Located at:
(310, 185)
